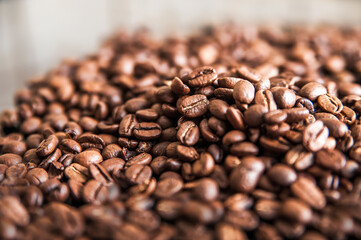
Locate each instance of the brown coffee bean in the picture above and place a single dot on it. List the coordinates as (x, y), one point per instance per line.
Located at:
(229, 232)
(10, 159)
(337, 128)
(70, 146)
(37, 176)
(100, 174)
(275, 117)
(296, 210)
(143, 158)
(127, 125)
(202, 76)
(204, 166)
(218, 108)
(192, 106)
(284, 97)
(331, 159)
(136, 104)
(242, 149)
(67, 220)
(266, 99)
(12, 209)
(268, 209)
(188, 133)
(330, 103)
(235, 117)
(254, 116)
(315, 136)
(245, 176)
(308, 192)
(111, 151)
(179, 88)
(299, 158)
(227, 82)
(168, 187)
(244, 219)
(243, 92)
(88, 157)
(282, 174)
(138, 174)
(312, 91)
(296, 114)
(47, 146)
(147, 131)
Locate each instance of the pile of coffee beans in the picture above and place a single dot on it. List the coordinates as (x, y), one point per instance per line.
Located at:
(233, 133)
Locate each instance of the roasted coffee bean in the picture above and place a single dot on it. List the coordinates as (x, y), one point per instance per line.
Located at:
(147, 131)
(308, 192)
(13, 210)
(201, 77)
(245, 176)
(179, 88)
(138, 174)
(228, 231)
(188, 154)
(77, 172)
(143, 158)
(10, 159)
(37, 176)
(67, 220)
(243, 92)
(111, 151)
(227, 82)
(315, 136)
(218, 108)
(266, 99)
(192, 106)
(168, 187)
(47, 146)
(336, 128)
(330, 103)
(70, 146)
(254, 116)
(235, 118)
(127, 125)
(296, 210)
(188, 133)
(299, 158)
(204, 166)
(282, 174)
(284, 97)
(331, 159)
(88, 157)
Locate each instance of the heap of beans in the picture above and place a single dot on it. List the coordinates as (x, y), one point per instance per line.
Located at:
(236, 133)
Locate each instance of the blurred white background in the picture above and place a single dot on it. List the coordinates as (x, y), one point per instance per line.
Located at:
(36, 34)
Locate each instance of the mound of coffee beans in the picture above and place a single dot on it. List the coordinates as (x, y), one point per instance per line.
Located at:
(234, 133)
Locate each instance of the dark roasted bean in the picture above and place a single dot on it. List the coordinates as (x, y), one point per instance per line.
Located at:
(315, 136)
(192, 106)
(202, 76)
(243, 92)
(147, 131)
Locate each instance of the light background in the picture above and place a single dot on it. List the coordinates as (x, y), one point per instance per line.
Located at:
(36, 34)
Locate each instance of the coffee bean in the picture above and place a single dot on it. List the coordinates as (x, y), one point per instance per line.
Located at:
(168, 187)
(331, 159)
(235, 117)
(266, 99)
(12, 209)
(179, 88)
(284, 97)
(312, 91)
(67, 220)
(308, 192)
(337, 128)
(111, 151)
(143, 158)
(192, 106)
(218, 108)
(127, 125)
(77, 172)
(202, 76)
(227, 82)
(228, 231)
(299, 158)
(268, 209)
(88, 157)
(296, 210)
(47, 146)
(188, 133)
(138, 174)
(243, 91)
(244, 178)
(147, 131)
(330, 103)
(282, 174)
(204, 166)
(37, 176)
(315, 136)
(10, 159)
(254, 116)
(70, 146)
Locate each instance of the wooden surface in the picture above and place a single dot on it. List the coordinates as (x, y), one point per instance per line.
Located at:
(36, 34)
